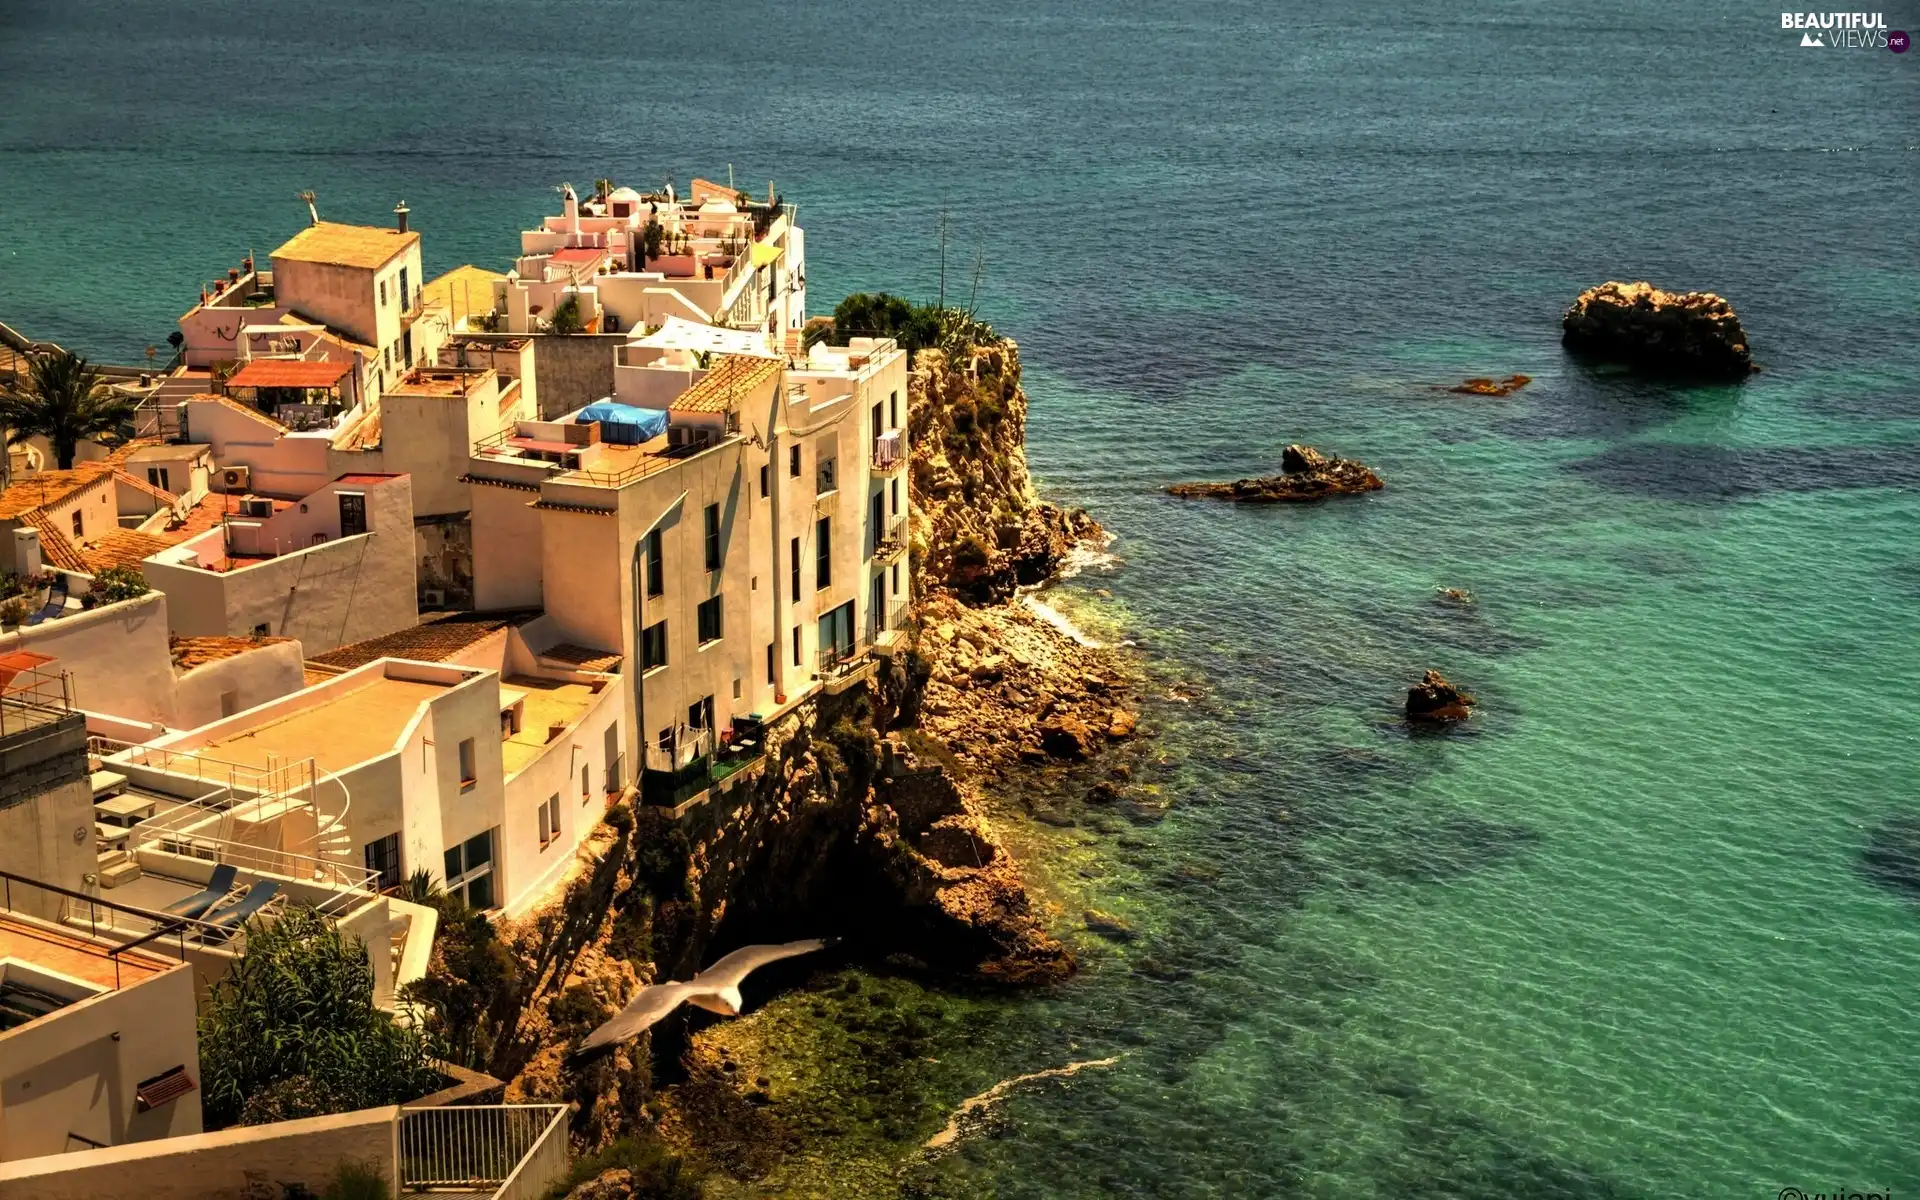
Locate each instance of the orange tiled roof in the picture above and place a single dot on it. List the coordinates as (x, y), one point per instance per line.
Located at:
(126, 449)
(583, 656)
(726, 384)
(364, 246)
(140, 485)
(191, 652)
(434, 640)
(55, 549)
(50, 487)
(115, 548)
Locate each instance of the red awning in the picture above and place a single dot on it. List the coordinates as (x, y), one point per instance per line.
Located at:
(578, 254)
(284, 373)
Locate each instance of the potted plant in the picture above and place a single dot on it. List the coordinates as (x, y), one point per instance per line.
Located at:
(14, 612)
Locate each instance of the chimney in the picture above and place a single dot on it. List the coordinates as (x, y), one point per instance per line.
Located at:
(400, 212)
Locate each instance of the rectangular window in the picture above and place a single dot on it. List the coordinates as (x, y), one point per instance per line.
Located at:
(896, 579)
(157, 476)
(823, 553)
(586, 783)
(793, 461)
(827, 476)
(893, 486)
(77, 525)
(263, 629)
(769, 662)
(796, 570)
(549, 820)
(876, 520)
(875, 432)
(713, 537)
(383, 858)
(796, 645)
(893, 411)
(653, 646)
(403, 287)
(469, 766)
(766, 478)
(383, 293)
(708, 617)
(656, 571)
(700, 713)
(353, 514)
(469, 870)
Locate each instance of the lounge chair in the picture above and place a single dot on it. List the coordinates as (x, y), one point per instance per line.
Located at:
(218, 885)
(227, 921)
(56, 602)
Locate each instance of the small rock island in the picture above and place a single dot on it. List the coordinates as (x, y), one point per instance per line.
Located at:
(1692, 334)
(1305, 474)
(1434, 700)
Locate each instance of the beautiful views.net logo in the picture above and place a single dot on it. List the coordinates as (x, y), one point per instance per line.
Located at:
(1845, 31)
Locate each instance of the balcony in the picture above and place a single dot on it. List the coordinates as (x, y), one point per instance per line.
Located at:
(891, 541)
(889, 452)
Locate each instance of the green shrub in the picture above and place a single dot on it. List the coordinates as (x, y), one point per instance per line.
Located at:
(972, 552)
(658, 1174)
(292, 1030)
(15, 612)
(471, 977)
(119, 583)
(566, 317)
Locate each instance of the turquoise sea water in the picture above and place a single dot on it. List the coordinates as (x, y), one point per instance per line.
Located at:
(1613, 940)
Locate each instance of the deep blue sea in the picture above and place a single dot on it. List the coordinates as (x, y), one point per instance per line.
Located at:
(1618, 937)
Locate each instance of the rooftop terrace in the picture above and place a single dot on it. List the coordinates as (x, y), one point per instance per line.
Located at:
(338, 731)
(549, 704)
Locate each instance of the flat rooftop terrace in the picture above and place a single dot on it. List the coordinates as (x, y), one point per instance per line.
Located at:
(338, 732)
(75, 957)
(547, 703)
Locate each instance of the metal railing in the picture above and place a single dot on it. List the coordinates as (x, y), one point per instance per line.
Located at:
(838, 660)
(510, 1151)
(891, 539)
(157, 928)
(32, 698)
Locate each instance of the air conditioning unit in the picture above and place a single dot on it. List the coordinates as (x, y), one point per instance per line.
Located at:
(235, 479)
(255, 506)
(432, 597)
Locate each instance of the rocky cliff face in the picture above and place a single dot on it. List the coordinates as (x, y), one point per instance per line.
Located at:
(1690, 334)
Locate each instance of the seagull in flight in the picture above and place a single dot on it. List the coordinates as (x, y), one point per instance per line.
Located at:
(716, 989)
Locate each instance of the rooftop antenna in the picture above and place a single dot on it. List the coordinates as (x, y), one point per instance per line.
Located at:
(312, 212)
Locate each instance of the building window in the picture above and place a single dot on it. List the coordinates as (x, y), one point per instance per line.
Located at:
(793, 461)
(656, 571)
(796, 645)
(796, 570)
(766, 477)
(708, 617)
(894, 486)
(896, 579)
(713, 537)
(550, 820)
(157, 476)
(827, 476)
(700, 713)
(383, 859)
(653, 646)
(823, 553)
(263, 630)
(469, 769)
(893, 411)
(383, 293)
(77, 526)
(403, 287)
(469, 871)
(769, 662)
(586, 783)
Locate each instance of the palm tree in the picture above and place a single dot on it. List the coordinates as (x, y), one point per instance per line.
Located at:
(64, 400)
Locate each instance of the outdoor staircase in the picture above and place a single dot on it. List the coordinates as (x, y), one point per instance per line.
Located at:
(159, 414)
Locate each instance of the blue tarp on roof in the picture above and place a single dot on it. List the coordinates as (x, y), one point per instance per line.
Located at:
(623, 424)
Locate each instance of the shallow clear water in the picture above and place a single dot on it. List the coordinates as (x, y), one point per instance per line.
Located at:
(1615, 939)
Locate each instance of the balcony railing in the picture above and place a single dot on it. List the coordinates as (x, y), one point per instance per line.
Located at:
(507, 1151)
(891, 540)
(836, 661)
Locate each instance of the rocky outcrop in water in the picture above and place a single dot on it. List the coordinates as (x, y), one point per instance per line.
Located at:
(1671, 333)
(1433, 699)
(1305, 474)
(1481, 385)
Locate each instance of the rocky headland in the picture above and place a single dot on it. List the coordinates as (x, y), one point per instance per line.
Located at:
(1691, 334)
(1305, 474)
(864, 820)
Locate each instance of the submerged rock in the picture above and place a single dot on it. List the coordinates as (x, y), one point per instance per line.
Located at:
(1671, 333)
(1481, 385)
(1066, 736)
(1892, 857)
(1107, 925)
(1305, 474)
(1434, 699)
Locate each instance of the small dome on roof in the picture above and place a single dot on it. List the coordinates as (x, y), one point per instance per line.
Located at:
(624, 193)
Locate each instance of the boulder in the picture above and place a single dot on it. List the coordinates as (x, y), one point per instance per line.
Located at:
(1305, 474)
(1670, 333)
(1066, 736)
(1481, 385)
(1434, 699)
(1121, 723)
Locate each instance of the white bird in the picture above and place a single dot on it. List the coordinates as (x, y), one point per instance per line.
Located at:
(716, 989)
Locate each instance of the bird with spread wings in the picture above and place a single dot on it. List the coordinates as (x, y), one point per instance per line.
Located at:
(716, 989)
